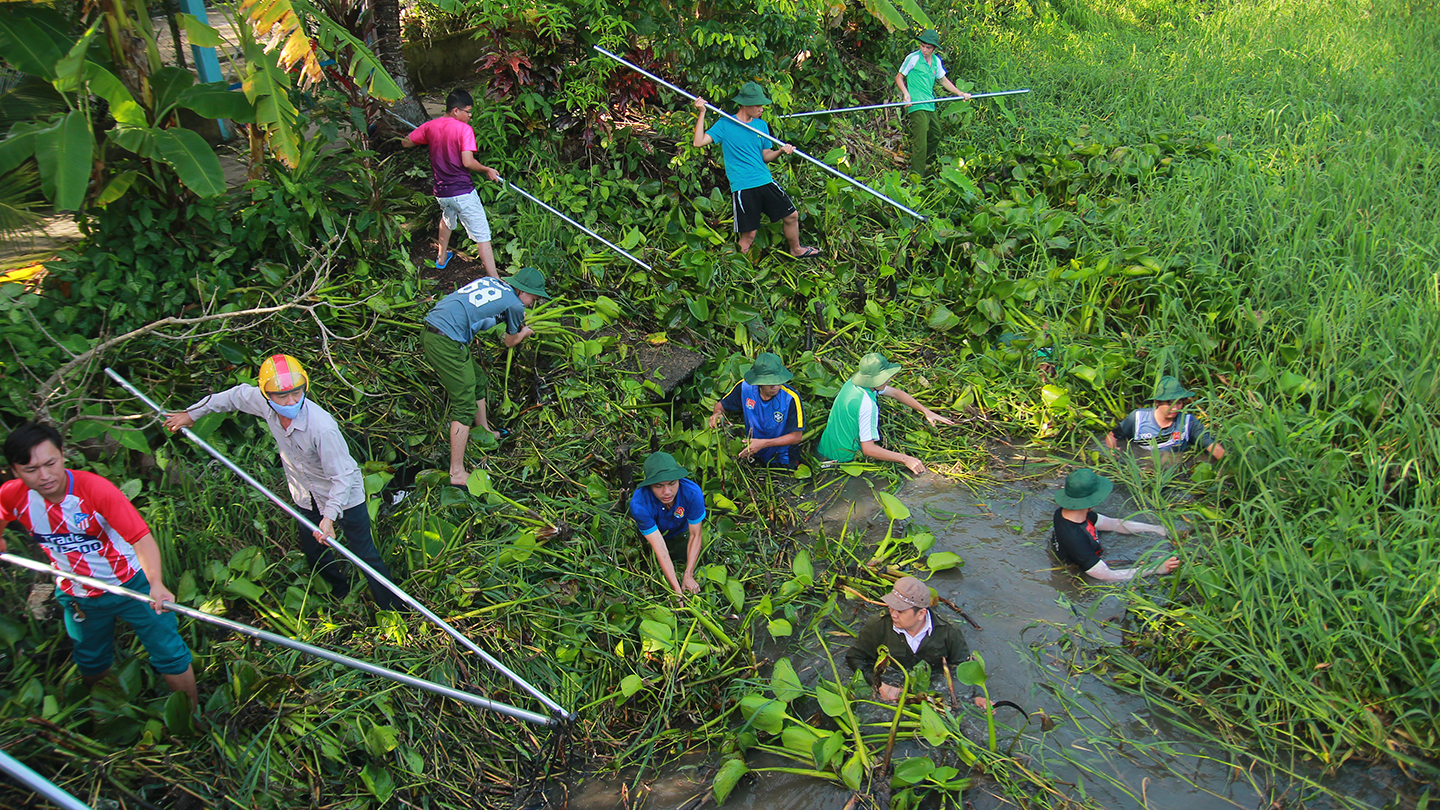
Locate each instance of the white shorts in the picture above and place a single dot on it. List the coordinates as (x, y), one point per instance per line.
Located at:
(466, 208)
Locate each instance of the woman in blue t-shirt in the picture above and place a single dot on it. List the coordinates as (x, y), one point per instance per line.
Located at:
(669, 510)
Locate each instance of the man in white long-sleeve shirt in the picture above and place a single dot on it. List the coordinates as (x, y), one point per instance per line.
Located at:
(1076, 539)
(325, 482)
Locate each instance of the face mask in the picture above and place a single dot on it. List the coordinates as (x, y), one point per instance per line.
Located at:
(289, 411)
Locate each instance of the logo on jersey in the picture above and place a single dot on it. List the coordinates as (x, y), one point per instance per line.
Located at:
(78, 521)
(779, 417)
(750, 403)
(1175, 437)
(679, 511)
(70, 543)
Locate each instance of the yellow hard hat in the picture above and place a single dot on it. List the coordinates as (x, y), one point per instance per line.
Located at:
(281, 373)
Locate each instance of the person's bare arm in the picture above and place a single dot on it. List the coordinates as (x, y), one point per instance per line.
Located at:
(701, 137)
(949, 85)
(770, 155)
(514, 340)
(756, 445)
(875, 451)
(1105, 573)
(662, 556)
(407, 143)
(467, 159)
(149, 554)
(904, 88)
(692, 557)
(1109, 524)
(914, 404)
(1110, 440)
(1216, 451)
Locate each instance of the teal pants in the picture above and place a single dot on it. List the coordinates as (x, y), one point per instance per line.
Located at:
(924, 138)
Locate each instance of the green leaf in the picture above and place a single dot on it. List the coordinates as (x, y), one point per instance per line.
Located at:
(779, 628)
(479, 483)
(140, 140)
(378, 781)
(131, 438)
(943, 561)
(894, 509)
(942, 319)
(698, 307)
(932, 728)
(244, 589)
(912, 770)
(802, 567)
(64, 153)
(832, 703)
(991, 309)
(631, 684)
(166, 85)
(852, 771)
(735, 592)
(763, 713)
(380, 740)
(117, 187)
(800, 739)
(827, 749)
(268, 88)
(131, 488)
(186, 590)
(922, 541)
(68, 67)
(971, 673)
(715, 573)
(17, 148)
(26, 47)
(217, 100)
(198, 33)
(1055, 397)
(785, 683)
(179, 715)
(727, 778)
(108, 86)
(916, 13)
(607, 307)
(193, 160)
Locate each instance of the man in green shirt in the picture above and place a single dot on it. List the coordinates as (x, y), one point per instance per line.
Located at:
(854, 424)
(916, 79)
(910, 633)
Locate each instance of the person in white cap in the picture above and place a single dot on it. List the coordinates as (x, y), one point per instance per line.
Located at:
(910, 634)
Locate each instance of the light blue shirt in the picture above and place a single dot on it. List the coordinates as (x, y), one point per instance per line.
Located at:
(744, 164)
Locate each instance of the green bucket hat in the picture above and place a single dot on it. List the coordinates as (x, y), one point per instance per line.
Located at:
(929, 37)
(768, 370)
(662, 467)
(751, 95)
(874, 371)
(1170, 390)
(1084, 489)
(529, 280)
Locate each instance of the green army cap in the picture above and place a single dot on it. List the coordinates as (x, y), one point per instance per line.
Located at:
(768, 370)
(1084, 489)
(751, 95)
(529, 280)
(1170, 390)
(662, 467)
(929, 37)
(874, 371)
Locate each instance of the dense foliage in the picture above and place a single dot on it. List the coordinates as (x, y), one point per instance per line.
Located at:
(1237, 195)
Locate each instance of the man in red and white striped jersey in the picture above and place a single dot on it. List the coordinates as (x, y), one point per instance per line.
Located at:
(87, 526)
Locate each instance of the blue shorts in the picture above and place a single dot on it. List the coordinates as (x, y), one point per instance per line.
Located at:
(95, 635)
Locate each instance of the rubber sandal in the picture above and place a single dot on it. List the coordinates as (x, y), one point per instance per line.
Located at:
(809, 253)
(448, 256)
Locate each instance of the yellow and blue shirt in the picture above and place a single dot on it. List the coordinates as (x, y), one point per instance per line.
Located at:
(767, 420)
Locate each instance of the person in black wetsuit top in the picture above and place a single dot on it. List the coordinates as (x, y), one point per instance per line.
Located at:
(1076, 539)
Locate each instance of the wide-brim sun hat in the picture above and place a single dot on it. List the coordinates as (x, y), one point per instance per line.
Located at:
(751, 95)
(1169, 389)
(662, 467)
(768, 370)
(1084, 489)
(529, 280)
(874, 371)
(929, 37)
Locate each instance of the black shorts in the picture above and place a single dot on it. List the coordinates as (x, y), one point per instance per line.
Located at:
(752, 202)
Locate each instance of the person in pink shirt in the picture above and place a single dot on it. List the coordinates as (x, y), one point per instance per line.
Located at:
(452, 158)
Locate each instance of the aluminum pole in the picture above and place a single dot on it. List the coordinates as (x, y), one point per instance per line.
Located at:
(554, 211)
(847, 178)
(905, 103)
(27, 777)
(345, 552)
(285, 641)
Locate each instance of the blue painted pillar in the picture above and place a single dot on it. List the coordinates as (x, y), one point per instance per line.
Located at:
(207, 64)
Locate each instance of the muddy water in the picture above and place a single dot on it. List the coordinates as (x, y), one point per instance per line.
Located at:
(1009, 583)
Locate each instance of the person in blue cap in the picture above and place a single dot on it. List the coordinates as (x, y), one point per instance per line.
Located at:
(774, 419)
(753, 189)
(669, 510)
(1076, 539)
(1165, 427)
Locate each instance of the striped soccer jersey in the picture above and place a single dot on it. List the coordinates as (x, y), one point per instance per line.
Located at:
(90, 532)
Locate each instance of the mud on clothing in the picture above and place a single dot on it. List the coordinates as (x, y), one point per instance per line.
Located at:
(688, 509)
(1185, 431)
(854, 418)
(945, 641)
(447, 137)
(767, 420)
(1077, 543)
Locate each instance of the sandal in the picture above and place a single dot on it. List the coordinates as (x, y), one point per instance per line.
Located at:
(448, 256)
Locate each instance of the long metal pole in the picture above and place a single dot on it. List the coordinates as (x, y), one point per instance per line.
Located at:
(285, 641)
(554, 211)
(847, 178)
(906, 103)
(345, 552)
(29, 778)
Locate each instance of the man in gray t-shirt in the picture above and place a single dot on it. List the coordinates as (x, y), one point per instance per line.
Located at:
(449, 328)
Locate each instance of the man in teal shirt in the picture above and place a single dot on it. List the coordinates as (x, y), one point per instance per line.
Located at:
(753, 190)
(916, 80)
(854, 424)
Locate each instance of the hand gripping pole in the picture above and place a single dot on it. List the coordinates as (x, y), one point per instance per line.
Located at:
(905, 103)
(285, 641)
(847, 178)
(347, 553)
